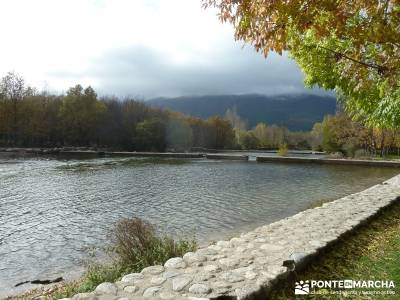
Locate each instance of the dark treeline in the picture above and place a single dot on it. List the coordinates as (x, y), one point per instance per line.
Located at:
(81, 118)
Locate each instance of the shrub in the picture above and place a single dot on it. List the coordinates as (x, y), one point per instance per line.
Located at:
(336, 155)
(248, 140)
(135, 245)
(94, 275)
(349, 149)
(283, 150)
(362, 154)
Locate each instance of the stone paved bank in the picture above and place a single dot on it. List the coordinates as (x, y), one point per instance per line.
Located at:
(246, 267)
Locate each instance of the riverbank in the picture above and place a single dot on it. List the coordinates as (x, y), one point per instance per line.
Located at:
(254, 263)
(371, 252)
(329, 161)
(257, 198)
(292, 157)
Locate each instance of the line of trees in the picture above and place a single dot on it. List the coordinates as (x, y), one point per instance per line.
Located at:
(29, 118)
(264, 136)
(335, 134)
(339, 133)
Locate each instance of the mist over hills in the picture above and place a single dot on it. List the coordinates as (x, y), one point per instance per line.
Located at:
(296, 112)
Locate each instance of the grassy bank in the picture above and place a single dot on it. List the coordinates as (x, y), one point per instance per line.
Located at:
(134, 245)
(371, 253)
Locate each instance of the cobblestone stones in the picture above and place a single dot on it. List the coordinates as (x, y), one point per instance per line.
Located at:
(249, 264)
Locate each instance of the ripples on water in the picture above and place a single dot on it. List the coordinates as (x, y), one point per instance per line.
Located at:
(51, 211)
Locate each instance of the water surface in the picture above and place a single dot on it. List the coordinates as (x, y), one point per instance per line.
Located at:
(52, 211)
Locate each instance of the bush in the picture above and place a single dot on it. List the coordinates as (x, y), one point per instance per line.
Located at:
(95, 274)
(283, 150)
(248, 140)
(135, 245)
(336, 155)
(349, 149)
(362, 154)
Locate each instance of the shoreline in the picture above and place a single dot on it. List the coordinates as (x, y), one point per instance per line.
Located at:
(231, 268)
(239, 155)
(76, 274)
(229, 234)
(362, 207)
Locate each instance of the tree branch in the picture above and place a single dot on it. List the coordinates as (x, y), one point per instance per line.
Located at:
(374, 66)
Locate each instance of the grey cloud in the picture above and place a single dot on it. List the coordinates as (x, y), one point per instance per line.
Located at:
(140, 71)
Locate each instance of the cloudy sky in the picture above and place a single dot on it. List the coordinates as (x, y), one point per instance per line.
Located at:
(142, 48)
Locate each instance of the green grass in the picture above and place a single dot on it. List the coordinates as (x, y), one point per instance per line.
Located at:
(372, 252)
(96, 274)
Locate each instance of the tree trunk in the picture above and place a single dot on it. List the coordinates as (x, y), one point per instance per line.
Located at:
(15, 120)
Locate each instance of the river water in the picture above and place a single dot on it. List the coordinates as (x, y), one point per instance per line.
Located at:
(53, 212)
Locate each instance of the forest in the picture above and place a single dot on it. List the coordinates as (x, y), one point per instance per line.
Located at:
(29, 118)
(80, 118)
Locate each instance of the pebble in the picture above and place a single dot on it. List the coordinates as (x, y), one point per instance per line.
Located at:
(179, 283)
(107, 288)
(200, 289)
(176, 263)
(151, 292)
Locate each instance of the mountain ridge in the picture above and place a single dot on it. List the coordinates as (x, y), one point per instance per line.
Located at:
(294, 111)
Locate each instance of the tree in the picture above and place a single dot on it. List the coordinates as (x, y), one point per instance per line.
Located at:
(150, 135)
(248, 140)
(298, 140)
(200, 132)
(80, 113)
(276, 136)
(221, 133)
(33, 127)
(179, 135)
(350, 46)
(12, 91)
(239, 126)
(261, 133)
(316, 137)
(330, 141)
(134, 112)
(341, 134)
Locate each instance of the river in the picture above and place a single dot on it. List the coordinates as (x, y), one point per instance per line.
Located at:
(53, 213)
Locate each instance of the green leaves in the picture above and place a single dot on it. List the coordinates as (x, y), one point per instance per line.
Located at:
(348, 46)
(79, 112)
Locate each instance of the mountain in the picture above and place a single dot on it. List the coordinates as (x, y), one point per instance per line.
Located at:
(296, 112)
